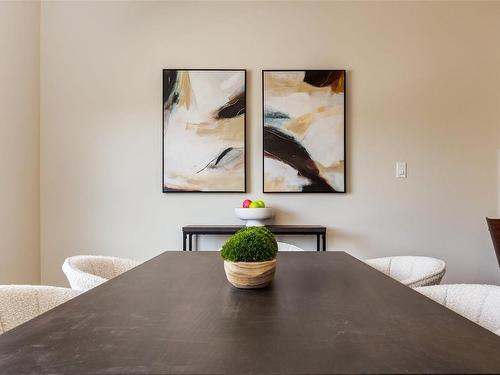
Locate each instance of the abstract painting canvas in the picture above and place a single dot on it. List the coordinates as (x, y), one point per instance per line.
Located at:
(304, 131)
(204, 130)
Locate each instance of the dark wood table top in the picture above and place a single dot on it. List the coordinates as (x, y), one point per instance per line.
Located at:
(277, 229)
(325, 313)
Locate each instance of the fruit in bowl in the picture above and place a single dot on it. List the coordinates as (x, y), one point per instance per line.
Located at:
(260, 204)
(254, 212)
(248, 203)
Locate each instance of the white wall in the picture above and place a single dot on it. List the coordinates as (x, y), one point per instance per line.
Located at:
(19, 142)
(423, 84)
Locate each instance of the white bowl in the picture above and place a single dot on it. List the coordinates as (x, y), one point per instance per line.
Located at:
(254, 216)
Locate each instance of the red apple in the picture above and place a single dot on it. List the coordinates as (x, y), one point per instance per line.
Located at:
(246, 203)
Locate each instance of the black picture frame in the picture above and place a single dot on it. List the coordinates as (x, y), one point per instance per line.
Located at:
(170, 191)
(345, 133)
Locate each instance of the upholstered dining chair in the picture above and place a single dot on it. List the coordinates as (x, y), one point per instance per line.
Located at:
(20, 303)
(479, 303)
(412, 271)
(283, 246)
(494, 227)
(85, 272)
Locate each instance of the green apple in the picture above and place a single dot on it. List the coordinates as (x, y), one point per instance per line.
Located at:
(260, 204)
(254, 205)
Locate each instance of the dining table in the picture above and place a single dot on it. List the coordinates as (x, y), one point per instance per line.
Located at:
(324, 313)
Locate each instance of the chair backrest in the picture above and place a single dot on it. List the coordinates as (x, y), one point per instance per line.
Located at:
(283, 246)
(494, 227)
(85, 272)
(20, 303)
(479, 303)
(412, 271)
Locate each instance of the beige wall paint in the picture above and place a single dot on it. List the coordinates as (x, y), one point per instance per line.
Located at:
(423, 84)
(498, 182)
(19, 142)
(498, 159)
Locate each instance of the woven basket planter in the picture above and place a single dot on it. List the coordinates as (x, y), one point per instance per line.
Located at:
(250, 275)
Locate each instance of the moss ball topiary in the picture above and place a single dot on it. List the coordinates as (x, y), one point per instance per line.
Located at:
(252, 244)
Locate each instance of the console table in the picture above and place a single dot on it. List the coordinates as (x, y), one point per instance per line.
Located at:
(301, 230)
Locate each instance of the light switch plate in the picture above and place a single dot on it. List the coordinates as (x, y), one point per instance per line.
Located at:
(401, 169)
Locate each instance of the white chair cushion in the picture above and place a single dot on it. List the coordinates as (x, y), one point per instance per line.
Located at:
(20, 303)
(479, 303)
(283, 246)
(85, 272)
(412, 271)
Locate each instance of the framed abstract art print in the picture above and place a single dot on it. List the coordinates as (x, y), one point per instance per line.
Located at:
(304, 131)
(204, 127)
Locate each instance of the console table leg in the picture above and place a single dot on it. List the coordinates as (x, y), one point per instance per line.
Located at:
(190, 242)
(324, 241)
(317, 243)
(184, 235)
